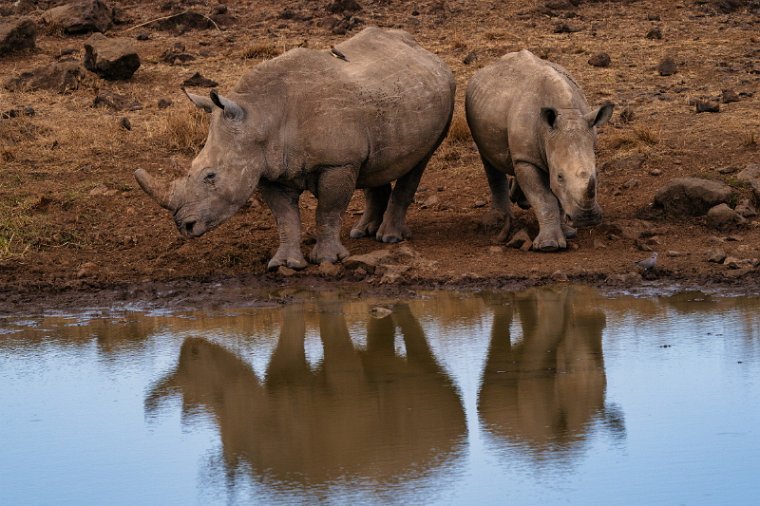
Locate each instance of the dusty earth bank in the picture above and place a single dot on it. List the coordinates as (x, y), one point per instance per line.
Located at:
(76, 230)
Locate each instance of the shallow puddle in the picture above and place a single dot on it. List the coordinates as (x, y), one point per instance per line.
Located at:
(549, 396)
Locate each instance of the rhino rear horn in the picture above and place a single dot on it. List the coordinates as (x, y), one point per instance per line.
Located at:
(148, 184)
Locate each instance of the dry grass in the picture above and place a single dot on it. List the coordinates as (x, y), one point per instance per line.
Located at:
(634, 138)
(459, 132)
(263, 50)
(183, 128)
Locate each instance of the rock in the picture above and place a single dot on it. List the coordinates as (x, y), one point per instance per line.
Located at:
(722, 217)
(112, 59)
(125, 123)
(163, 103)
(87, 269)
(176, 54)
(471, 57)
(691, 196)
(479, 203)
(61, 77)
(115, 102)
(368, 261)
(495, 250)
(746, 209)
(736, 263)
(600, 60)
(520, 239)
(17, 35)
(18, 112)
(627, 163)
(729, 96)
(667, 67)
(705, 106)
(727, 170)
(559, 277)
(715, 255)
(392, 273)
(751, 176)
(655, 172)
(286, 271)
(675, 254)
(329, 270)
(84, 16)
(182, 22)
(654, 33)
(198, 80)
(566, 28)
(379, 312)
(429, 202)
(341, 6)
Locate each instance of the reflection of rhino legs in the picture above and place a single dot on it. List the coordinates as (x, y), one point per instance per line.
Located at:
(288, 363)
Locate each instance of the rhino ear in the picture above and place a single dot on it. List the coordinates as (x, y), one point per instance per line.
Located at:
(549, 116)
(200, 102)
(600, 115)
(231, 109)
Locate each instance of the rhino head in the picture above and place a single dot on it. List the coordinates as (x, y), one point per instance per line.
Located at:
(569, 143)
(223, 175)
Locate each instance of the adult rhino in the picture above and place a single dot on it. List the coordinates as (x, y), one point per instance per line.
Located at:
(530, 120)
(366, 113)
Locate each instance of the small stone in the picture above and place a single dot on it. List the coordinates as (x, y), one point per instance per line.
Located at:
(520, 238)
(654, 33)
(655, 172)
(598, 244)
(379, 312)
(559, 277)
(734, 262)
(674, 254)
(125, 123)
(471, 57)
(715, 255)
(329, 269)
(704, 106)
(728, 170)
(431, 201)
(722, 217)
(286, 271)
(115, 101)
(87, 269)
(566, 28)
(600, 60)
(113, 59)
(746, 209)
(163, 103)
(198, 80)
(368, 261)
(495, 250)
(729, 96)
(667, 67)
(479, 203)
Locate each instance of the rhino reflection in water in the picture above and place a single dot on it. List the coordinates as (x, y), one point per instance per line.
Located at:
(546, 390)
(362, 413)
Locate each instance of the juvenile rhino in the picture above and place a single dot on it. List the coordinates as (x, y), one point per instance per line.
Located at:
(368, 112)
(530, 120)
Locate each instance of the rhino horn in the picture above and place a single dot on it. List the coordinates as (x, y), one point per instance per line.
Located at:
(149, 185)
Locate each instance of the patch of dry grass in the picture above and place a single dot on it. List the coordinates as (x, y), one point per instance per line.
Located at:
(633, 138)
(183, 128)
(263, 50)
(459, 132)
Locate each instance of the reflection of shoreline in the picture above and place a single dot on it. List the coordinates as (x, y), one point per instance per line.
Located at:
(368, 414)
(544, 391)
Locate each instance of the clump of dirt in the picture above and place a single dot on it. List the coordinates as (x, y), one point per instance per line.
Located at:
(73, 220)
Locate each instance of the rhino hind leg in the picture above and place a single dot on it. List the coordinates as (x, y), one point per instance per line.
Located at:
(376, 204)
(516, 194)
(283, 202)
(393, 228)
(551, 236)
(501, 209)
(334, 190)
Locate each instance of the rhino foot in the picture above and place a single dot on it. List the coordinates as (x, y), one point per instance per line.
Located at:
(364, 230)
(548, 242)
(570, 232)
(327, 252)
(289, 257)
(391, 235)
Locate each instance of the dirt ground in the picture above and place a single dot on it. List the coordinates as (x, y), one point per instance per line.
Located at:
(76, 229)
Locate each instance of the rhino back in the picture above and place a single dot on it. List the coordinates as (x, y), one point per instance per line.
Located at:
(385, 109)
(504, 101)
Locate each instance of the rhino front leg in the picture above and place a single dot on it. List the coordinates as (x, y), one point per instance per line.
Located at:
(376, 201)
(394, 229)
(283, 202)
(334, 190)
(534, 184)
(501, 208)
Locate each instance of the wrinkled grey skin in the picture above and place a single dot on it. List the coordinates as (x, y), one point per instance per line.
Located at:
(530, 120)
(310, 121)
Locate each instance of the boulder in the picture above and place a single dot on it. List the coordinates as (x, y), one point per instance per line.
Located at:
(751, 176)
(17, 35)
(112, 59)
(691, 196)
(722, 217)
(61, 77)
(600, 60)
(84, 16)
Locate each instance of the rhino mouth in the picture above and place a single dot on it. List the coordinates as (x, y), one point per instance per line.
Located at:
(585, 216)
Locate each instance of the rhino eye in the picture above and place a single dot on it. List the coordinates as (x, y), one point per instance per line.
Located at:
(210, 178)
(560, 178)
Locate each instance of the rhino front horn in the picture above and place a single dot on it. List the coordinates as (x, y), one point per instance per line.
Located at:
(148, 184)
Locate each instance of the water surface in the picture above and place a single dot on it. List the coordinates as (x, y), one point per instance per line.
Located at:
(549, 396)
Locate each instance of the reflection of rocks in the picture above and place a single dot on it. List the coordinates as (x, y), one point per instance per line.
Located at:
(368, 413)
(545, 390)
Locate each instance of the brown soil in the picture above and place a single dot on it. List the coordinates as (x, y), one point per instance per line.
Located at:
(76, 229)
